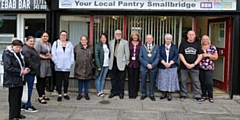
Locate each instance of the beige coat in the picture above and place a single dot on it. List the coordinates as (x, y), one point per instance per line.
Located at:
(84, 61)
(122, 54)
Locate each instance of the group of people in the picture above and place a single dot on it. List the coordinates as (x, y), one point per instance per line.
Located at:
(24, 62)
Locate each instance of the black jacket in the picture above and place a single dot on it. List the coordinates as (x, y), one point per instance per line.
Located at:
(32, 59)
(12, 69)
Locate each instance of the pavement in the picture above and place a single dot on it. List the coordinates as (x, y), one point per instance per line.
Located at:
(127, 109)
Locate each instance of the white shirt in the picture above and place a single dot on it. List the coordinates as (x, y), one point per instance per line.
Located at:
(106, 56)
(149, 46)
(167, 51)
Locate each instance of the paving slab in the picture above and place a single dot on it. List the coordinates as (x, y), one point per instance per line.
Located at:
(187, 116)
(226, 117)
(123, 104)
(163, 106)
(141, 115)
(234, 109)
(205, 108)
(95, 114)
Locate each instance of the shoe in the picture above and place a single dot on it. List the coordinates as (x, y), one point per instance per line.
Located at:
(42, 101)
(169, 98)
(14, 119)
(66, 97)
(198, 100)
(121, 96)
(79, 97)
(152, 98)
(211, 100)
(46, 98)
(163, 97)
(182, 98)
(112, 95)
(134, 97)
(87, 97)
(59, 99)
(23, 108)
(203, 99)
(99, 94)
(143, 97)
(31, 109)
(21, 116)
(102, 95)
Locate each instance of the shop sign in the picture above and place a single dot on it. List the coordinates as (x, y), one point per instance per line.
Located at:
(23, 5)
(146, 5)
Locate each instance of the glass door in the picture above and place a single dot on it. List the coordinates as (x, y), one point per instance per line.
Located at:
(219, 33)
(30, 25)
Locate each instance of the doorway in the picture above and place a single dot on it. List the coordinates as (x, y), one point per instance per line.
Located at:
(30, 25)
(219, 31)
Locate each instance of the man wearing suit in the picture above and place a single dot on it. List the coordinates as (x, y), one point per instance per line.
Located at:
(149, 58)
(119, 58)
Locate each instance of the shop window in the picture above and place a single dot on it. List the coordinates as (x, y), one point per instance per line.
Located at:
(157, 26)
(8, 25)
(76, 26)
(108, 25)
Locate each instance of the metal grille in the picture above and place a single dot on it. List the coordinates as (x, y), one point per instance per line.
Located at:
(157, 26)
(108, 25)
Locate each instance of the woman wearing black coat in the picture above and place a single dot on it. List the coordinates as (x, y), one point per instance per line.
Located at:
(14, 71)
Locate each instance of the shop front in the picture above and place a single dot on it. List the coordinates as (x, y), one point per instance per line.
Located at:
(19, 19)
(206, 17)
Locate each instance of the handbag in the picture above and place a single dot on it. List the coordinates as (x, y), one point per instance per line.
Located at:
(25, 93)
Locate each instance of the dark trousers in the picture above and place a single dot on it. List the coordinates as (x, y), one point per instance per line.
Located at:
(14, 99)
(62, 76)
(117, 80)
(81, 84)
(206, 79)
(41, 85)
(152, 77)
(133, 81)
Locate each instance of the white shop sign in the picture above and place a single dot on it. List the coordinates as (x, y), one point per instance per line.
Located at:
(146, 5)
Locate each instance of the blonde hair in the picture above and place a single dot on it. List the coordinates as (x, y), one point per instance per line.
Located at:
(205, 36)
(134, 33)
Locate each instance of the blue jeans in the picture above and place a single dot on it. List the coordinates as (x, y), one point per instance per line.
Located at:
(82, 83)
(30, 83)
(152, 77)
(100, 80)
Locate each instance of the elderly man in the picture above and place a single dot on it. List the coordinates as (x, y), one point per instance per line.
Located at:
(119, 59)
(190, 54)
(149, 58)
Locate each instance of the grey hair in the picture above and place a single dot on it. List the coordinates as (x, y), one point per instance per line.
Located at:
(117, 30)
(168, 36)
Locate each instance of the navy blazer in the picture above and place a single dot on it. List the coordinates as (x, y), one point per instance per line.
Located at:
(145, 60)
(173, 55)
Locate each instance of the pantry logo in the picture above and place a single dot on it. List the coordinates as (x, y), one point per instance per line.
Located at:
(66, 3)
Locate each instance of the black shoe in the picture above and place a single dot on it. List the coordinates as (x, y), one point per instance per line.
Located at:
(121, 96)
(79, 97)
(59, 99)
(134, 97)
(46, 98)
(87, 97)
(42, 101)
(152, 98)
(112, 95)
(163, 97)
(169, 98)
(21, 116)
(14, 119)
(66, 97)
(143, 97)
